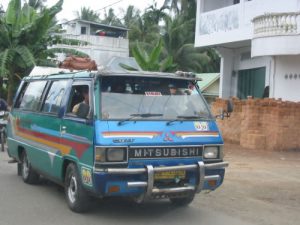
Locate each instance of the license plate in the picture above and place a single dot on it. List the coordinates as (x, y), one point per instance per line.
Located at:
(169, 175)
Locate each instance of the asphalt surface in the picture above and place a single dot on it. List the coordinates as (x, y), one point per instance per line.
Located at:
(43, 204)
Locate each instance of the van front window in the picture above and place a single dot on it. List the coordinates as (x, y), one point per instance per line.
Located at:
(151, 98)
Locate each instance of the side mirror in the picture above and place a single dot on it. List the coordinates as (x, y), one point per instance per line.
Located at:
(222, 114)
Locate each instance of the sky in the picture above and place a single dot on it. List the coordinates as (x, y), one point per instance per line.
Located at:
(71, 6)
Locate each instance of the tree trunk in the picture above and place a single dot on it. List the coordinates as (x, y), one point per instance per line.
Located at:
(12, 82)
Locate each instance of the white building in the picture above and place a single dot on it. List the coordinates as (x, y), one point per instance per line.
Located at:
(259, 45)
(103, 42)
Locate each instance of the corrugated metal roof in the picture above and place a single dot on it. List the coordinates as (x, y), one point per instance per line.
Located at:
(207, 79)
(97, 24)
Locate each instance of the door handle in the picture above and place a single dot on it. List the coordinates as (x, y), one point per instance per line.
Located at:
(63, 129)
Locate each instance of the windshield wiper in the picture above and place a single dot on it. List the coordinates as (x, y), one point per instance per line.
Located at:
(179, 118)
(142, 115)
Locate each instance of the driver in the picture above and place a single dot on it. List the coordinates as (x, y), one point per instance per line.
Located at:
(85, 94)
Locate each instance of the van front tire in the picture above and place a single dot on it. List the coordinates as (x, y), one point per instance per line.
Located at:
(29, 176)
(77, 198)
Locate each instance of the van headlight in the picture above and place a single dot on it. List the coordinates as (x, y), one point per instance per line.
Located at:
(115, 154)
(108, 155)
(213, 152)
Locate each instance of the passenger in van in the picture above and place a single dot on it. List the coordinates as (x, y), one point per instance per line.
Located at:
(118, 88)
(174, 90)
(78, 107)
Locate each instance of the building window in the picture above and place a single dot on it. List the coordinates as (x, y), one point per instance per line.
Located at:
(236, 1)
(83, 30)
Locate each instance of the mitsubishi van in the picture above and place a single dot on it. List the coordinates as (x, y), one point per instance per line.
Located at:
(141, 135)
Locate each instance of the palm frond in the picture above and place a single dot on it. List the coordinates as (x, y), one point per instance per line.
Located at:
(4, 59)
(26, 55)
(139, 57)
(13, 12)
(154, 55)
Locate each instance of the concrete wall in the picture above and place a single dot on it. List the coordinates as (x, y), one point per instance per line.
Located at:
(232, 62)
(101, 55)
(227, 62)
(282, 73)
(101, 49)
(285, 45)
(215, 4)
(287, 78)
(74, 28)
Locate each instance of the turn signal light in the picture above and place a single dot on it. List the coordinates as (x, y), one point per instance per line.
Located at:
(212, 183)
(113, 189)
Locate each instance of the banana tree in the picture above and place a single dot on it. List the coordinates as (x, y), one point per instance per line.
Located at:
(153, 61)
(24, 40)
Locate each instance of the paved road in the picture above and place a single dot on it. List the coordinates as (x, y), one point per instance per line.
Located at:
(43, 204)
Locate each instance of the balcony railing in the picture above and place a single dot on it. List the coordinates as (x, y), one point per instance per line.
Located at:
(273, 24)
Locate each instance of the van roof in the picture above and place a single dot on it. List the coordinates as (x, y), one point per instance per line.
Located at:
(58, 73)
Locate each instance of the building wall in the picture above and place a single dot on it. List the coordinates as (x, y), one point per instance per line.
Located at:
(232, 61)
(101, 55)
(287, 78)
(99, 48)
(233, 23)
(215, 4)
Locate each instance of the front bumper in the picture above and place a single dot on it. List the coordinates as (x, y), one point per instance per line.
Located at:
(152, 192)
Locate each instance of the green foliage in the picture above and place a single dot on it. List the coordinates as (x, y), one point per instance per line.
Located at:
(177, 32)
(88, 14)
(111, 19)
(152, 61)
(37, 4)
(25, 36)
(130, 16)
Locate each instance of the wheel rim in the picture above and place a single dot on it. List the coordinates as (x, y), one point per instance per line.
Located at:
(72, 189)
(25, 169)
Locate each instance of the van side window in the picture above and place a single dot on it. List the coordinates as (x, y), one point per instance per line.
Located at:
(54, 97)
(79, 101)
(33, 96)
(21, 95)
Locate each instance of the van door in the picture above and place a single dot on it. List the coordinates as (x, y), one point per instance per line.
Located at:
(47, 127)
(25, 116)
(77, 128)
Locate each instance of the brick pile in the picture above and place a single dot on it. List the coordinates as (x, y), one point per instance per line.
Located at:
(261, 123)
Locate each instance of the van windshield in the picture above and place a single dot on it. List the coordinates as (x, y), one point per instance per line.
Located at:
(151, 98)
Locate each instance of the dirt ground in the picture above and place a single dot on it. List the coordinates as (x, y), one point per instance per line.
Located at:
(260, 187)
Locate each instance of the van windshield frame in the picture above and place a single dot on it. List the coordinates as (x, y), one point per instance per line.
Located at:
(160, 98)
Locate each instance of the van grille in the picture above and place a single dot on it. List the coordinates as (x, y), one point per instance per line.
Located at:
(165, 152)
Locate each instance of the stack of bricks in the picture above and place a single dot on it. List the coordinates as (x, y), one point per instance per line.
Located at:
(261, 123)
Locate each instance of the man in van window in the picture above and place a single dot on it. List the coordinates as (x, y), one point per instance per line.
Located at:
(173, 89)
(85, 94)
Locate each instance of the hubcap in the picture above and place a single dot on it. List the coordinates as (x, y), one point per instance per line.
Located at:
(72, 189)
(25, 169)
